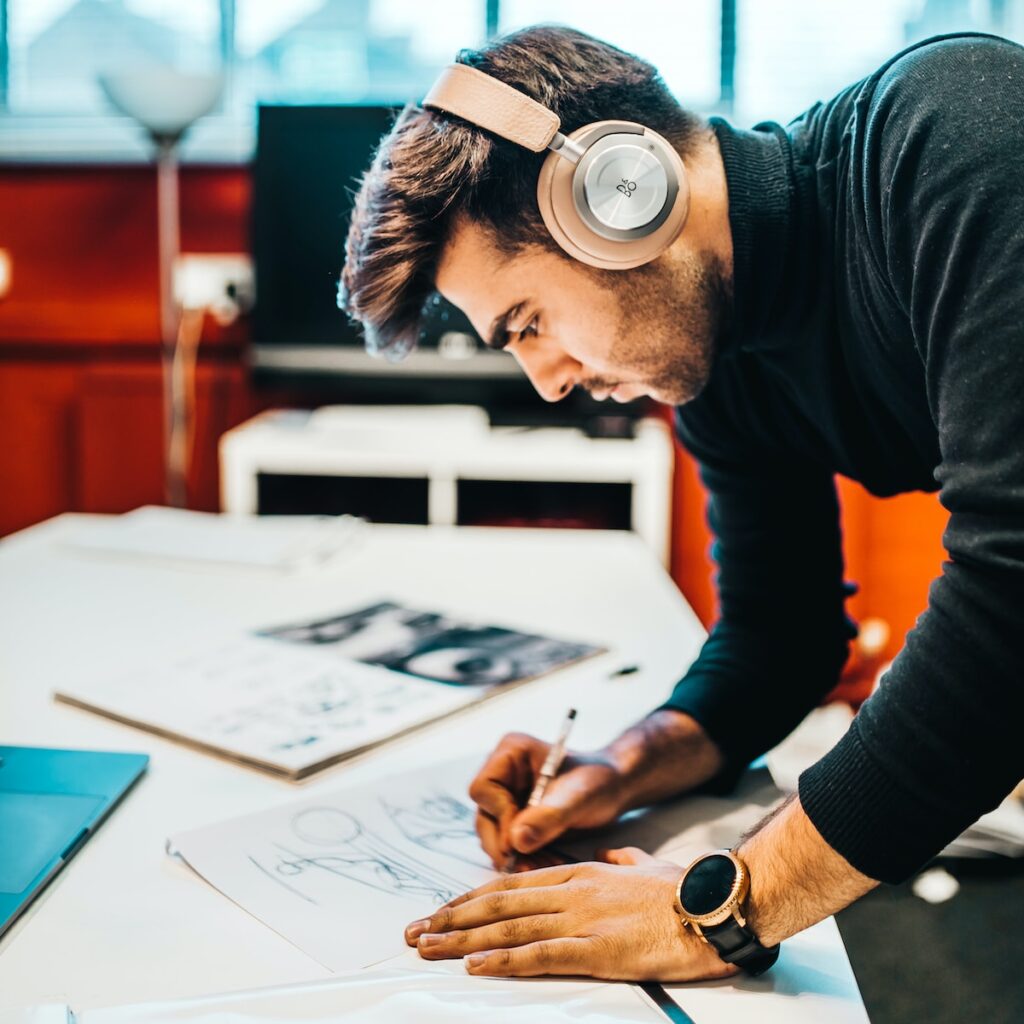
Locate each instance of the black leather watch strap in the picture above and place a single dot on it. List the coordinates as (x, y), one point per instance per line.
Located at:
(738, 945)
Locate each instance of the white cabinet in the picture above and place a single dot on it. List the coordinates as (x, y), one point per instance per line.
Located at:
(447, 465)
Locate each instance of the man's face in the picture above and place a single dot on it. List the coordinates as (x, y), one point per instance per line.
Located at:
(619, 334)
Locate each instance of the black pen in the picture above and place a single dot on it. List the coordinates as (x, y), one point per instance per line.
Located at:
(626, 670)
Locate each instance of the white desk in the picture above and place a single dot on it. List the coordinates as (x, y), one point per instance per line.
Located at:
(125, 923)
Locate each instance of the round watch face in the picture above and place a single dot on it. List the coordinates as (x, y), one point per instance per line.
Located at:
(707, 885)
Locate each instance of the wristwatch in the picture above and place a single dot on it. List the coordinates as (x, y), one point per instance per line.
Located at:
(710, 897)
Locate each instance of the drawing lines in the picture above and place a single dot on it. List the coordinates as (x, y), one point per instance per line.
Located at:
(440, 823)
(338, 843)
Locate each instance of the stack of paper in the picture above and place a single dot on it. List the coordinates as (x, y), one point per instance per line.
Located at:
(263, 542)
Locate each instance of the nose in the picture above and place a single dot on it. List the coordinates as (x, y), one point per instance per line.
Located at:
(552, 372)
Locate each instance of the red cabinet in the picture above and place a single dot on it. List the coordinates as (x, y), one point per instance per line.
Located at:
(87, 435)
(80, 380)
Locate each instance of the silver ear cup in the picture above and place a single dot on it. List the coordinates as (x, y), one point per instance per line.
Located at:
(625, 186)
(607, 151)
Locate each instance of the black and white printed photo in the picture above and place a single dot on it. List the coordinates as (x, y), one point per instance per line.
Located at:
(434, 646)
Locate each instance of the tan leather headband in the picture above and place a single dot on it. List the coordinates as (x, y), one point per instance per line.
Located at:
(484, 101)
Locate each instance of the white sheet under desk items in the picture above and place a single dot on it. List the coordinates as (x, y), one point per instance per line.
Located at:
(388, 995)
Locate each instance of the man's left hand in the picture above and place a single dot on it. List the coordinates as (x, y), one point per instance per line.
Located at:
(615, 919)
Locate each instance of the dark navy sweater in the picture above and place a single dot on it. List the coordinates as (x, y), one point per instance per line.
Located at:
(877, 332)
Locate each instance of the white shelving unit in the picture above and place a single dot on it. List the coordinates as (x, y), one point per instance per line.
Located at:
(447, 446)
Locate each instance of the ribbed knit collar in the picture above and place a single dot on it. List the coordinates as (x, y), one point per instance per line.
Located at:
(768, 257)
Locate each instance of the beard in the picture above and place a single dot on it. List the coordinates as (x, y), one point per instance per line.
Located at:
(672, 313)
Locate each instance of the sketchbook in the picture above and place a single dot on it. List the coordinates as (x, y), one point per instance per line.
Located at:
(284, 710)
(294, 708)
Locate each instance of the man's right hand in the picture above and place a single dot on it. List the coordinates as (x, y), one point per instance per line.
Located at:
(665, 754)
(586, 793)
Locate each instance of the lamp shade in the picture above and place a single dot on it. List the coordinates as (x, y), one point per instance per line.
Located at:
(165, 102)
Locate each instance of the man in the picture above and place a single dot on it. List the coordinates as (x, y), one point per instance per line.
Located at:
(846, 295)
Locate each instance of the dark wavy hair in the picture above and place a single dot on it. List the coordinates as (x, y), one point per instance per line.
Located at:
(433, 168)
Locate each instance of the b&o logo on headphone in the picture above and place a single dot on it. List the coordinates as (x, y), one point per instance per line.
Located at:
(627, 188)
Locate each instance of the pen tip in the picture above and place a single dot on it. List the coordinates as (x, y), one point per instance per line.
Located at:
(572, 713)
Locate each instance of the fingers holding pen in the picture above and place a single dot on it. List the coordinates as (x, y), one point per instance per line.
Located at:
(500, 789)
(491, 840)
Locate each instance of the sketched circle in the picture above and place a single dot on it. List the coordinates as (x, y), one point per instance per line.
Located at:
(325, 826)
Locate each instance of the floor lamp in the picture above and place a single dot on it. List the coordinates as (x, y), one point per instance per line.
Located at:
(166, 104)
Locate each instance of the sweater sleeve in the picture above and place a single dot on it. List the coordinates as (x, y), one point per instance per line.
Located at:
(782, 636)
(939, 743)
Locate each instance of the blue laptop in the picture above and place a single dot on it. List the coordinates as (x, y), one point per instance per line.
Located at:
(51, 801)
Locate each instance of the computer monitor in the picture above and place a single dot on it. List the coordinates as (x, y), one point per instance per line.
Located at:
(309, 161)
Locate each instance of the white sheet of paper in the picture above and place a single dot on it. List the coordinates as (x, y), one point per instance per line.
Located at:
(386, 995)
(265, 542)
(341, 875)
(280, 704)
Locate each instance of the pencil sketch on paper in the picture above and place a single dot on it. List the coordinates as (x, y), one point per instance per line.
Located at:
(329, 841)
(326, 705)
(440, 823)
(341, 874)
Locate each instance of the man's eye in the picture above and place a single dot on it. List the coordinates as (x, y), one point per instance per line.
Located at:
(530, 330)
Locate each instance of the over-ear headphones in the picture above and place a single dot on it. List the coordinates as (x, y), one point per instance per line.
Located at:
(613, 194)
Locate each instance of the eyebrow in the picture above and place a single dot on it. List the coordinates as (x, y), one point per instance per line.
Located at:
(498, 337)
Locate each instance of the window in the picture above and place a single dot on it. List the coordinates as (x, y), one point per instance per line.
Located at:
(59, 48)
(748, 59)
(339, 51)
(785, 64)
(680, 39)
(299, 51)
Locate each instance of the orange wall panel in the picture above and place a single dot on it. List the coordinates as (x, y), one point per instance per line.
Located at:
(893, 551)
(892, 548)
(691, 565)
